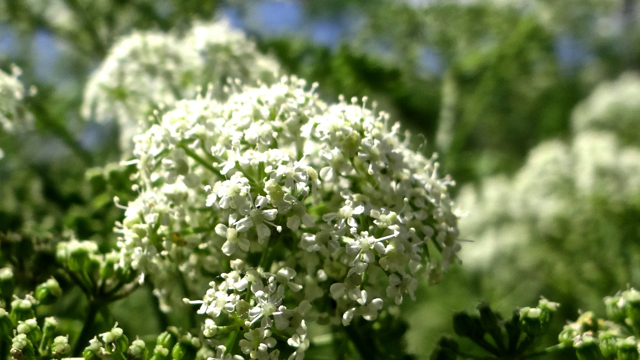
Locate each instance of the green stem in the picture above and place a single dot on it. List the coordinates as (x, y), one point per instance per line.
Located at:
(43, 117)
(362, 342)
(231, 342)
(547, 351)
(4, 349)
(192, 154)
(185, 291)
(85, 333)
(163, 320)
(88, 24)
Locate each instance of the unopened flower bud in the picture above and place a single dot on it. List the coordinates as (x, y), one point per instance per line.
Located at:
(586, 347)
(535, 321)
(116, 338)
(107, 268)
(615, 312)
(78, 258)
(587, 321)
(608, 343)
(94, 351)
(7, 283)
(48, 292)
(22, 348)
(168, 338)
(210, 328)
(60, 347)
(160, 353)
(31, 329)
(628, 349)
(137, 350)
(21, 310)
(351, 144)
(186, 348)
(632, 304)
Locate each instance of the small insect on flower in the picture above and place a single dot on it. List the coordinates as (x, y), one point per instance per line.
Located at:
(178, 239)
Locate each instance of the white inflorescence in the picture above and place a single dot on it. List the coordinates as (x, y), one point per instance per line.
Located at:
(13, 114)
(301, 212)
(148, 70)
(599, 168)
(613, 106)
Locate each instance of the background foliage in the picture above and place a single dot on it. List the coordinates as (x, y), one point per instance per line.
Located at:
(490, 85)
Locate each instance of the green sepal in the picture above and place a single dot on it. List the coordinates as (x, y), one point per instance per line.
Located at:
(513, 332)
(446, 349)
(491, 323)
(168, 338)
(121, 344)
(107, 268)
(48, 292)
(466, 325)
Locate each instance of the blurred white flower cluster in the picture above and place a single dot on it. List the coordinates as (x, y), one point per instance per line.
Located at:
(148, 70)
(13, 114)
(613, 106)
(568, 195)
(299, 211)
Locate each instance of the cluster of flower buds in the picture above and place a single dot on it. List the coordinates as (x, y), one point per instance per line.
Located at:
(30, 338)
(299, 211)
(510, 338)
(98, 274)
(612, 338)
(170, 344)
(148, 70)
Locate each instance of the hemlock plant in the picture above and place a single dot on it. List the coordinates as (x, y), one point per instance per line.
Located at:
(270, 210)
(282, 223)
(298, 211)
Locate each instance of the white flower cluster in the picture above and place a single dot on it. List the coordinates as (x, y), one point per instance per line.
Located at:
(301, 211)
(568, 193)
(13, 114)
(148, 70)
(613, 106)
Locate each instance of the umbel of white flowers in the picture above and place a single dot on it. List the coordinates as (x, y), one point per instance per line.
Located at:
(147, 70)
(302, 212)
(568, 198)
